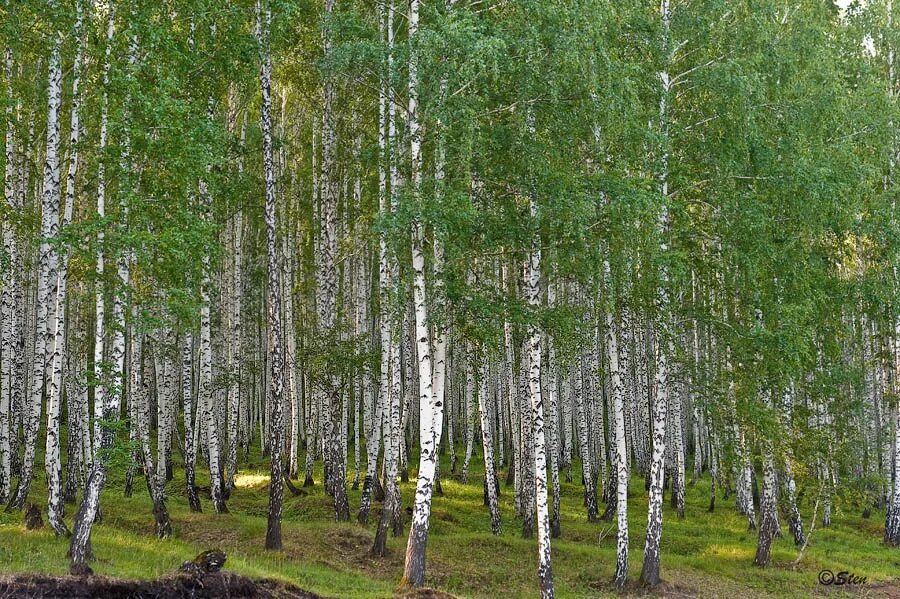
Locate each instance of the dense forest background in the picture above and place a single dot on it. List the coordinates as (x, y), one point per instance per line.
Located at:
(582, 241)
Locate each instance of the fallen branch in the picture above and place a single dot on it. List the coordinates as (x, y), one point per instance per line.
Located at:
(812, 527)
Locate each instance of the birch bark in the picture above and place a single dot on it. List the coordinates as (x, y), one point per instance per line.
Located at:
(45, 320)
(276, 489)
(532, 293)
(9, 371)
(664, 342)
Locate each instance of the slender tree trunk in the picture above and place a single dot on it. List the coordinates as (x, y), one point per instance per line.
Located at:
(581, 422)
(80, 548)
(54, 395)
(391, 366)
(553, 416)
(677, 432)
(664, 343)
(327, 286)
(190, 448)
(235, 354)
(892, 519)
(620, 453)
(276, 488)
(431, 400)
(532, 291)
(490, 473)
(469, 400)
(376, 423)
(45, 321)
(768, 514)
(11, 290)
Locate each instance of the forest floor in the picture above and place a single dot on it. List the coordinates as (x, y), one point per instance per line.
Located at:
(704, 555)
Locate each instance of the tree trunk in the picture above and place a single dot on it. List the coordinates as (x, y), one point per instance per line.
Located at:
(490, 474)
(532, 293)
(9, 294)
(276, 488)
(620, 453)
(45, 321)
(190, 448)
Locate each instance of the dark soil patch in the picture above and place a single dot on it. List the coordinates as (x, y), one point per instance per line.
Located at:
(219, 584)
(889, 590)
(881, 590)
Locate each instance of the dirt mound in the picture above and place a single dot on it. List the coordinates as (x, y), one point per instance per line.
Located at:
(219, 584)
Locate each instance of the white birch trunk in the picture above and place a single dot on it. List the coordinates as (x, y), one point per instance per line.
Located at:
(276, 489)
(553, 416)
(207, 399)
(45, 321)
(664, 341)
(431, 406)
(621, 456)
(375, 421)
(235, 353)
(54, 394)
(532, 292)
(11, 290)
(490, 473)
(190, 447)
(892, 519)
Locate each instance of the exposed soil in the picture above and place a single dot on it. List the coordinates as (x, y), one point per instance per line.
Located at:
(880, 590)
(219, 584)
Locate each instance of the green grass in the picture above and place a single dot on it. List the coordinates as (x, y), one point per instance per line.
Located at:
(705, 555)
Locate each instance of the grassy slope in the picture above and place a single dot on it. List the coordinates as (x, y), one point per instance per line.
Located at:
(708, 555)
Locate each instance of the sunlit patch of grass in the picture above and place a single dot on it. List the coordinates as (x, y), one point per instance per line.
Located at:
(728, 551)
(250, 480)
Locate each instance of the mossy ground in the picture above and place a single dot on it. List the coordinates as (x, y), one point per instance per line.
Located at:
(704, 555)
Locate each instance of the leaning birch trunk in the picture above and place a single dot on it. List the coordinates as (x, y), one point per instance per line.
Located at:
(532, 296)
(80, 549)
(664, 342)
(276, 488)
(45, 325)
